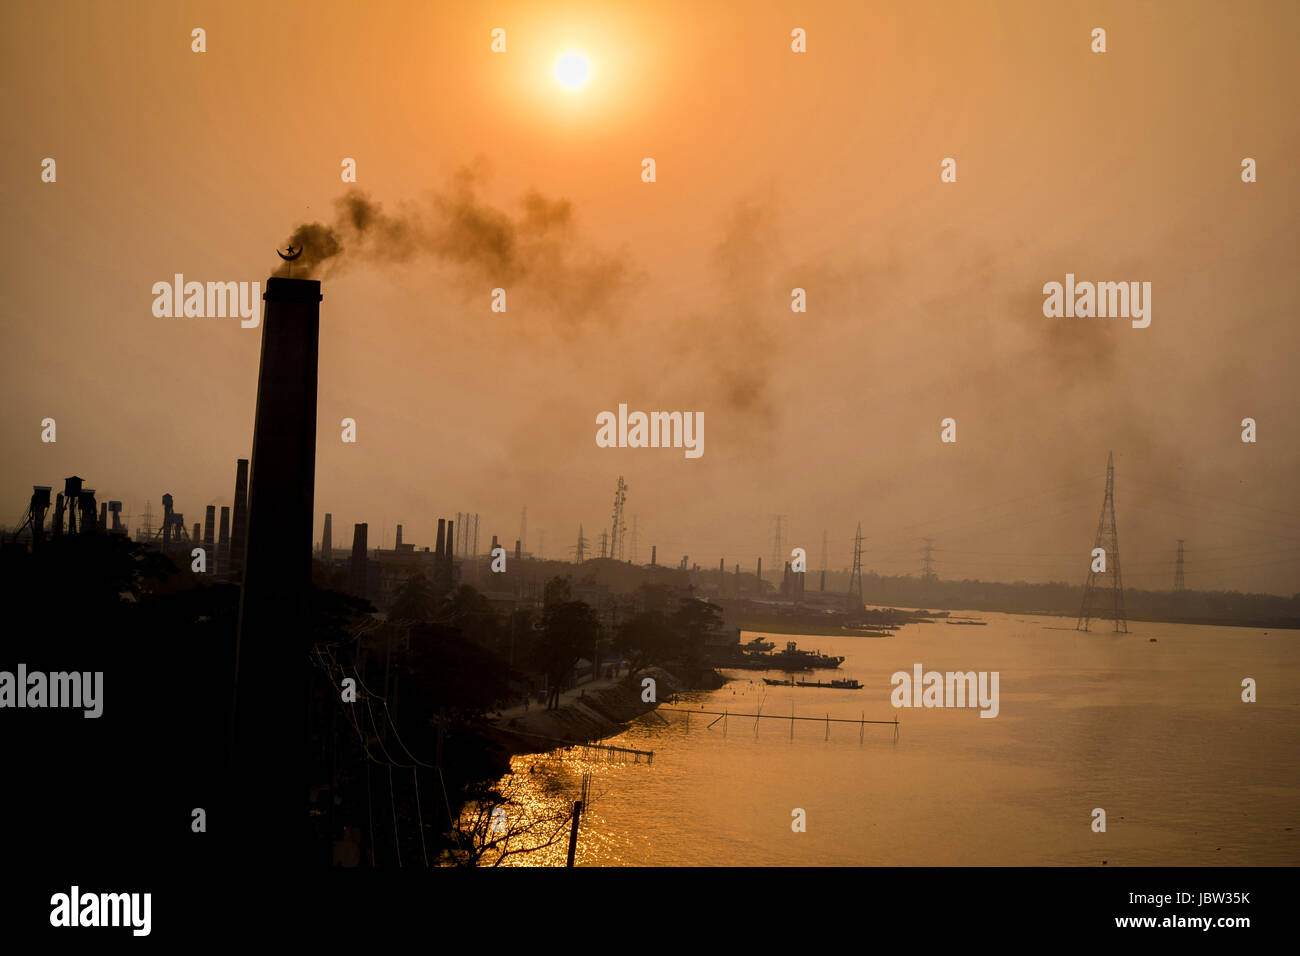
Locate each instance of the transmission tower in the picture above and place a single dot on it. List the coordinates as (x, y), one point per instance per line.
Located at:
(1178, 568)
(777, 556)
(581, 550)
(855, 576)
(927, 560)
(618, 529)
(604, 544)
(1103, 593)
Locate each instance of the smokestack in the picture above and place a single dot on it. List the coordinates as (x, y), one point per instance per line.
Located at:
(195, 540)
(760, 575)
(494, 543)
(654, 549)
(87, 502)
(451, 531)
(209, 537)
(167, 523)
(327, 539)
(115, 509)
(442, 535)
(103, 516)
(223, 541)
(823, 579)
(269, 712)
(239, 521)
(357, 569)
(398, 546)
(519, 549)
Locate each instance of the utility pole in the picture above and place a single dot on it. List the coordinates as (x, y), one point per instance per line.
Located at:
(1103, 592)
(573, 833)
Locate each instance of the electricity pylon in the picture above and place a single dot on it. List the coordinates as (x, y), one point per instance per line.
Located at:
(855, 576)
(1103, 593)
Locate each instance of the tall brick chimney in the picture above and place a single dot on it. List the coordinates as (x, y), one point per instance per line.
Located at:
(269, 713)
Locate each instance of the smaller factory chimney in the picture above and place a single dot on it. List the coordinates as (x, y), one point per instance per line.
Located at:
(442, 535)
(210, 538)
(327, 539)
(398, 546)
(519, 549)
(195, 540)
(86, 500)
(103, 516)
(223, 541)
(167, 523)
(654, 554)
(357, 572)
(115, 509)
(760, 575)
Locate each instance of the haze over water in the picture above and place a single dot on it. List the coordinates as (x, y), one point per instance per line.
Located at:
(1156, 734)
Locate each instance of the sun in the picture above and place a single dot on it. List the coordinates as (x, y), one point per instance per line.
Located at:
(572, 70)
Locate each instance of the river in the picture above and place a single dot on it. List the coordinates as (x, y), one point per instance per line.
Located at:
(1156, 734)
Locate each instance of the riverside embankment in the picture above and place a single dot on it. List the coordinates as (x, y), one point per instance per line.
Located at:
(586, 713)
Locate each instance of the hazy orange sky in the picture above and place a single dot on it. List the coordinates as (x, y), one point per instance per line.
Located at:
(775, 170)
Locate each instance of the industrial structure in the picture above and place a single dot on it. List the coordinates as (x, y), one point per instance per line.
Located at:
(777, 554)
(618, 529)
(1103, 592)
(855, 576)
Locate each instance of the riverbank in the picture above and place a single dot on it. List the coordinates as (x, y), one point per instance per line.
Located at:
(592, 711)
